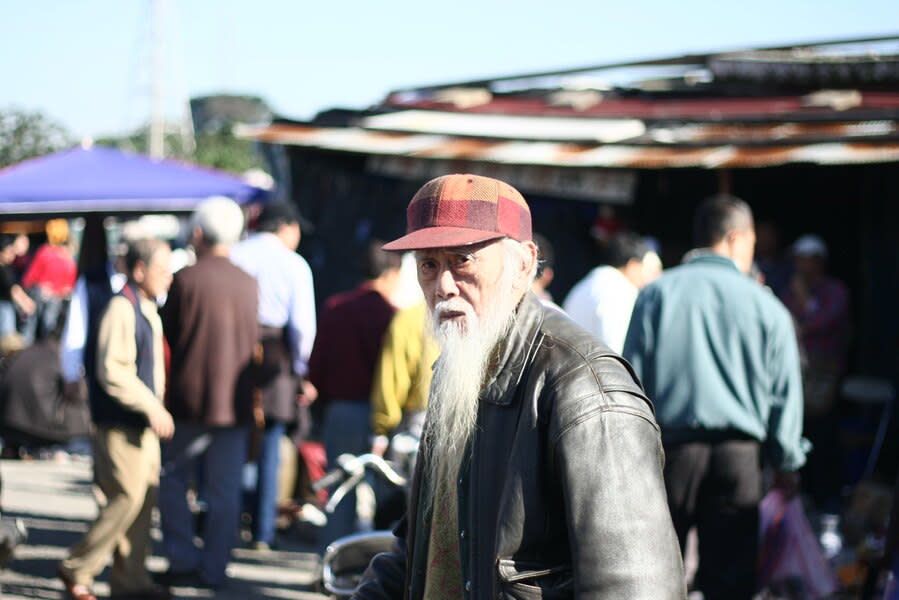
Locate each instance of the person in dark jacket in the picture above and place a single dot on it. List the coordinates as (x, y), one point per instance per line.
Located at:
(130, 419)
(540, 471)
(210, 323)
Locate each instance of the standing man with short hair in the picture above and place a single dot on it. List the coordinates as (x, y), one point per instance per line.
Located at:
(210, 323)
(127, 409)
(717, 352)
(287, 331)
(540, 471)
(602, 302)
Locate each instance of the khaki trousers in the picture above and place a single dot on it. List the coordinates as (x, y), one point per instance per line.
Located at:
(126, 469)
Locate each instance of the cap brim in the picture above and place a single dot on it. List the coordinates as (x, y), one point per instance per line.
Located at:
(441, 237)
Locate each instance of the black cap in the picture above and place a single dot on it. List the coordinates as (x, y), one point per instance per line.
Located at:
(276, 213)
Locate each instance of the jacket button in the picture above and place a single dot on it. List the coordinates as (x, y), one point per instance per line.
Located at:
(462, 534)
(468, 586)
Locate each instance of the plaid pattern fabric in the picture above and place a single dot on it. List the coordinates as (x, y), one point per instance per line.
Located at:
(456, 210)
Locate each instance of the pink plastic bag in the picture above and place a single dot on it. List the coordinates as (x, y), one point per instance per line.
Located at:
(789, 549)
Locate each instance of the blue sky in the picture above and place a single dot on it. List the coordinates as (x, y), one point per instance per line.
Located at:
(86, 63)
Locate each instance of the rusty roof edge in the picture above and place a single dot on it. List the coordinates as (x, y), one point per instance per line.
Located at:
(707, 157)
(287, 135)
(685, 59)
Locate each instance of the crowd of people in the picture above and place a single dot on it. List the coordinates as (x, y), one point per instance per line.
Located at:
(567, 449)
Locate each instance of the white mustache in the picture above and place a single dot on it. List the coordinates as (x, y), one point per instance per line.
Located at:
(453, 305)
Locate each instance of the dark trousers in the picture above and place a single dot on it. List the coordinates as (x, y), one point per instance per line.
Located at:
(716, 487)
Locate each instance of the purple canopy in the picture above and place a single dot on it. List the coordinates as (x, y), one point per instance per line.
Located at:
(103, 179)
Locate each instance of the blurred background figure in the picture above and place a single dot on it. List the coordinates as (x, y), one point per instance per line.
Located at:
(774, 265)
(602, 302)
(342, 366)
(819, 304)
(287, 331)
(49, 280)
(701, 339)
(210, 320)
(130, 419)
(100, 276)
(402, 378)
(14, 302)
(546, 257)
(38, 419)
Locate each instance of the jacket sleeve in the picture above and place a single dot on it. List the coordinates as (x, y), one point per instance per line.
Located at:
(785, 446)
(622, 539)
(640, 339)
(386, 574)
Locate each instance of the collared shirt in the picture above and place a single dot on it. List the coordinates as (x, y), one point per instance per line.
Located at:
(717, 353)
(602, 303)
(286, 294)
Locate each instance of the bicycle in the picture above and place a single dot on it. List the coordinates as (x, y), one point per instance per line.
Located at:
(346, 558)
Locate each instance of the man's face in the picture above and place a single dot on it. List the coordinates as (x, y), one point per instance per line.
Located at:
(155, 277)
(808, 267)
(463, 278)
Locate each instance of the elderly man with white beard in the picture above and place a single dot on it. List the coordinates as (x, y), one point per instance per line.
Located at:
(541, 463)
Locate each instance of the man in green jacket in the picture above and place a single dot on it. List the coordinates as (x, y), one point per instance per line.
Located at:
(717, 353)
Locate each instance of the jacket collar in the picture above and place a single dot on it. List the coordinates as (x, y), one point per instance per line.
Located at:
(711, 258)
(516, 352)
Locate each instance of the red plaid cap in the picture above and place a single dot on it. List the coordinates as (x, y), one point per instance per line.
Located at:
(458, 210)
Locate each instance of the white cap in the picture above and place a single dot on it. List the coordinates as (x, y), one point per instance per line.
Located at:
(810, 245)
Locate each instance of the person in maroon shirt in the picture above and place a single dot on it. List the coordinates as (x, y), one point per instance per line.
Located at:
(347, 345)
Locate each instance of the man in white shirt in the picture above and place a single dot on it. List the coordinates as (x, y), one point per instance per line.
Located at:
(602, 301)
(287, 327)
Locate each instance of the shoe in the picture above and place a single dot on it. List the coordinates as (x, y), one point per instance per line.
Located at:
(156, 592)
(178, 578)
(75, 591)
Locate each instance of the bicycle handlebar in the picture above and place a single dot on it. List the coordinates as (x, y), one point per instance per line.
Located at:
(351, 466)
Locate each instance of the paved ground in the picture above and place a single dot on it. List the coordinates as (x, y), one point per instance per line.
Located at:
(56, 502)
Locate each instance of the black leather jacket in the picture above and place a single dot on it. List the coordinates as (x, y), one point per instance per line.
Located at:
(564, 495)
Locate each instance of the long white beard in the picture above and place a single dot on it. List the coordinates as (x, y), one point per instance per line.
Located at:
(460, 372)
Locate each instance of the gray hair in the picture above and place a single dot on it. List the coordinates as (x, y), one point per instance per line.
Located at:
(220, 219)
(142, 250)
(515, 252)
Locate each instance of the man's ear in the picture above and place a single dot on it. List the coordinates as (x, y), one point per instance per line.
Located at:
(196, 236)
(139, 272)
(529, 265)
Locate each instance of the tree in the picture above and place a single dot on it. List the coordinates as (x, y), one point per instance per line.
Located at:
(26, 134)
(214, 117)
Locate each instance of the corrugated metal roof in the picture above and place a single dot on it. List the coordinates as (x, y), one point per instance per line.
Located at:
(657, 108)
(550, 153)
(677, 114)
(507, 126)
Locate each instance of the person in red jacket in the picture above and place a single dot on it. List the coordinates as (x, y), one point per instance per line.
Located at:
(49, 280)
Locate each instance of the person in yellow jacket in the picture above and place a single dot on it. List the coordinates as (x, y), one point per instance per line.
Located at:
(402, 377)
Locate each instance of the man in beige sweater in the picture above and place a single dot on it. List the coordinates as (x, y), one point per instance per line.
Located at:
(130, 419)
